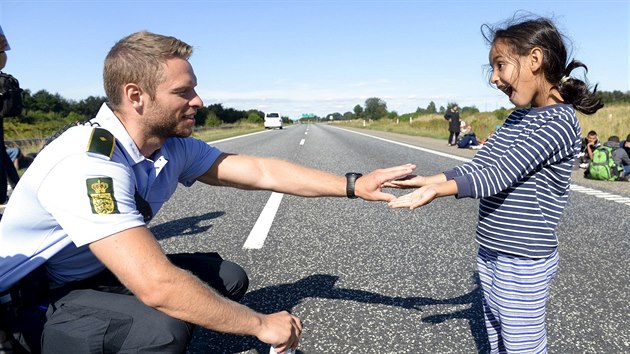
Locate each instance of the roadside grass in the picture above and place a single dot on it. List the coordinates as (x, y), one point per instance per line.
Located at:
(610, 120)
(226, 131)
(204, 134)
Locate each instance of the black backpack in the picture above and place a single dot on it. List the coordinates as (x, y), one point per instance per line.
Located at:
(11, 103)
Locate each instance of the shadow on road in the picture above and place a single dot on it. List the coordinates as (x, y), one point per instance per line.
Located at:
(184, 226)
(473, 314)
(287, 296)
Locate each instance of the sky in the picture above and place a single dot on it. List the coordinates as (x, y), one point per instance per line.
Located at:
(307, 56)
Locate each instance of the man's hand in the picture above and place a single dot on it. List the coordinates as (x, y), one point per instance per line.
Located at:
(415, 199)
(369, 186)
(282, 330)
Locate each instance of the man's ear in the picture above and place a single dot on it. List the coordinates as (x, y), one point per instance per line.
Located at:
(134, 95)
(536, 58)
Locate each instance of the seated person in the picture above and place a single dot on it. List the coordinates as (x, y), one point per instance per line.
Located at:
(469, 139)
(464, 128)
(621, 155)
(621, 160)
(589, 144)
(626, 145)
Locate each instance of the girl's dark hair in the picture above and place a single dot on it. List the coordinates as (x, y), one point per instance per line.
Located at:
(521, 37)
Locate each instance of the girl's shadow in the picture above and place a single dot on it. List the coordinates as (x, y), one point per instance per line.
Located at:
(287, 296)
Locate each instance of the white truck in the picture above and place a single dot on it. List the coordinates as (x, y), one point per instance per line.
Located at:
(273, 120)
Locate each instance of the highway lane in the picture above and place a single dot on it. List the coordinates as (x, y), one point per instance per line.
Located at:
(367, 279)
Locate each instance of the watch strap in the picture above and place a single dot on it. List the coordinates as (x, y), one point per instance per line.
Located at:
(351, 178)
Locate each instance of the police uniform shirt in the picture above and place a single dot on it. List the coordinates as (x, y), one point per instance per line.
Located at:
(70, 197)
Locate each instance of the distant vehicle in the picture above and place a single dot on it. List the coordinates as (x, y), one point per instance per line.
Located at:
(273, 120)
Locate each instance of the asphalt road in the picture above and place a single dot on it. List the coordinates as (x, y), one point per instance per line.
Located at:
(368, 279)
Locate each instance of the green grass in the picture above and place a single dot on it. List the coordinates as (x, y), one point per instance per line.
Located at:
(205, 134)
(610, 120)
(227, 131)
(432, 125)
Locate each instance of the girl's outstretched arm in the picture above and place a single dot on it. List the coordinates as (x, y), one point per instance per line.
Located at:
(413, 181)
(424, 195)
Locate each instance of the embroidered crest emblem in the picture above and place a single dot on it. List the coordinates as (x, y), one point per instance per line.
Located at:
(101, 193)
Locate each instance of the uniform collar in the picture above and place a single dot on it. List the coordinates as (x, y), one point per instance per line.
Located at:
(107, 119)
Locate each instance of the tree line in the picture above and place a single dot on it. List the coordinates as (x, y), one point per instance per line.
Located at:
(45, 112)
(375, 108)
(44, 106)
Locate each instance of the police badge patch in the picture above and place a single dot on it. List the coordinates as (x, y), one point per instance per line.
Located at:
(101, 193)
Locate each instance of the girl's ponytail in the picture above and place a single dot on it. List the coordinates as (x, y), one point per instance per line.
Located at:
(576, 92)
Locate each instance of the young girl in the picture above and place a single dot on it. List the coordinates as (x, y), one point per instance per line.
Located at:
(522, 176)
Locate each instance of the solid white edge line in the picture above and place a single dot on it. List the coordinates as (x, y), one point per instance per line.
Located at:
(235, 137)
(574, 187)
(459, 158)
(259, 232)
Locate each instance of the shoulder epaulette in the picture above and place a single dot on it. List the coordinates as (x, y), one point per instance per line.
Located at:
(101, 142)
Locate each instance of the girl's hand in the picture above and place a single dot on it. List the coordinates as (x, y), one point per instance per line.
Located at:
(415, 199)
(409, 181)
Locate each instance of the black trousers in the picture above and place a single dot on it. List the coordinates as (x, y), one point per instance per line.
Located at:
(7, 169)
(100, 315)
(452, 137)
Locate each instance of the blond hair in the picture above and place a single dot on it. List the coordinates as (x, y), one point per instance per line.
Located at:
(139, 58)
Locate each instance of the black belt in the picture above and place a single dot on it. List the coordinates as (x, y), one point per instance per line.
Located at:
(30, 290)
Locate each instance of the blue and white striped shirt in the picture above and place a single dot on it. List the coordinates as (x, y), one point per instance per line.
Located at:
(522, 175)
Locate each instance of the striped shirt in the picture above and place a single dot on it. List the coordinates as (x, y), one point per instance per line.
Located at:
(522, 176)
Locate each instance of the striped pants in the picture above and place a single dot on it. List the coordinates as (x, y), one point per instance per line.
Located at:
(515, 292)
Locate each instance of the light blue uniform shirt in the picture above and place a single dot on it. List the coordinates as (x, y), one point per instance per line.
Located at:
(54, 211)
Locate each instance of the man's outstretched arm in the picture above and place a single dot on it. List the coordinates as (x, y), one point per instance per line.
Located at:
(247, 172)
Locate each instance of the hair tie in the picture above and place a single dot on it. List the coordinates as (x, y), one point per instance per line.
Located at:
(564, 79)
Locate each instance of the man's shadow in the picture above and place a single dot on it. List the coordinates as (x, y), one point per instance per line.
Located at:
(184, 226)
(287, 296)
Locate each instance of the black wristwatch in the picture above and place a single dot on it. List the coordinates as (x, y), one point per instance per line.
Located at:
(351, 178)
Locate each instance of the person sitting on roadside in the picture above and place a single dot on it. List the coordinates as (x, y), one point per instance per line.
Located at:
(615, 166)
(469, 139)
(589, 144)
(620, 155)
(626, 145)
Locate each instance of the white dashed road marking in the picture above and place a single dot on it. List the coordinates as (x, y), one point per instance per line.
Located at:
(259, 233)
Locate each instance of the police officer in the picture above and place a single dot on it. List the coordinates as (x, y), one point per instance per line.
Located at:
(80, 213)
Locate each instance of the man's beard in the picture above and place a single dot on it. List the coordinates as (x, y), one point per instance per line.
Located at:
(164, 125)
